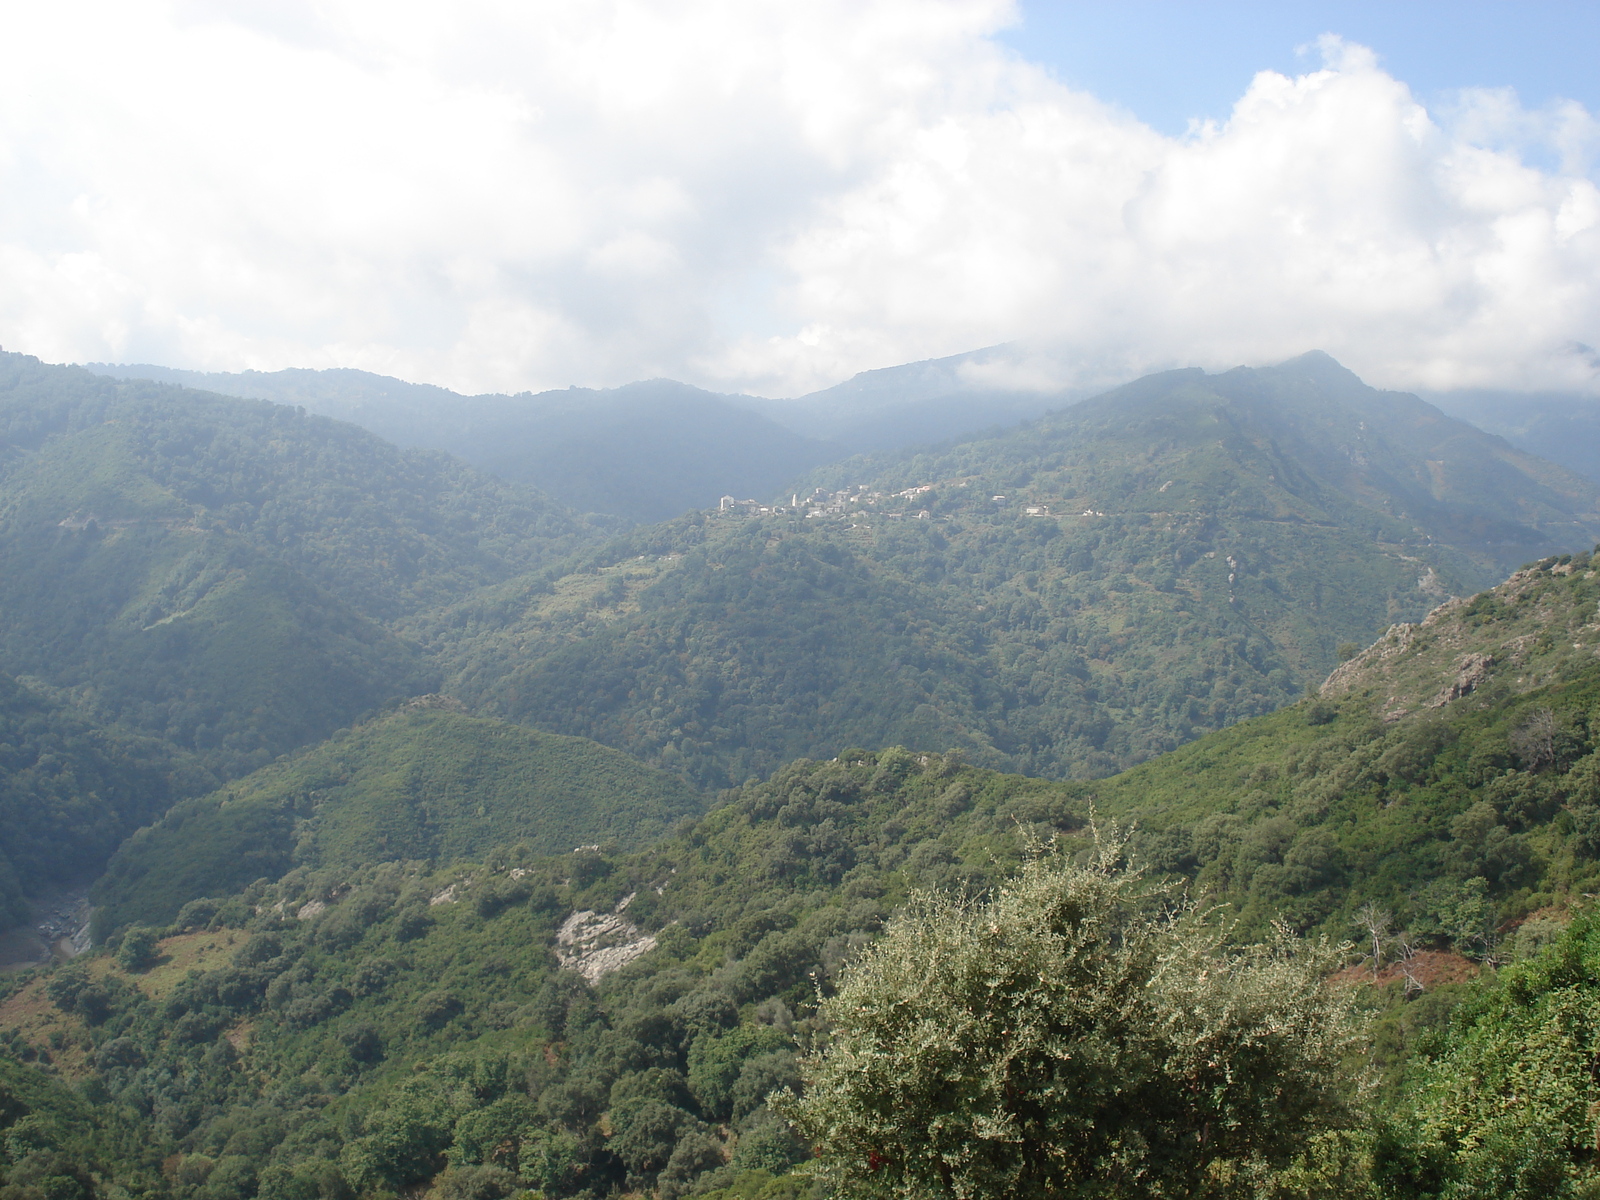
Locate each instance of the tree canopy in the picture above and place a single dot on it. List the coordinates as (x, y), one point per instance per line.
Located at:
(1079, 1035)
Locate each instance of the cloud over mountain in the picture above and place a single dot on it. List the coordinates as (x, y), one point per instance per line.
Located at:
(755, 196)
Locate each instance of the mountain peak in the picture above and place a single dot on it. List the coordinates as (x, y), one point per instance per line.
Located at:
(1318, 365)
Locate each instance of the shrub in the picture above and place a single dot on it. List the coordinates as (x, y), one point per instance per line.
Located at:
(1078, 1035)
(137, 950)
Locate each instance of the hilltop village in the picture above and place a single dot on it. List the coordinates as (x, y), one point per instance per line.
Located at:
(861, 500)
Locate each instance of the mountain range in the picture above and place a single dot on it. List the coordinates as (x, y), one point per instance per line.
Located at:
(455, 830)
(1561, 426)
(598, 1019)
(1066, 598)
(647, 451)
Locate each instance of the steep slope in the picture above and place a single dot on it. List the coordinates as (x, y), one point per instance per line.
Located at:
(644, 452)
(425, 783)
(194, 638)
(1561, 426)
(1305, 442)
(220, 572)
(1449, 773)
(599, 1021)
(389, 531)
(1082, 593)
(427, 1036)
(71, 791)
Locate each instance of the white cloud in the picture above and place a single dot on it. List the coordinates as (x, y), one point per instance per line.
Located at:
(751, 195)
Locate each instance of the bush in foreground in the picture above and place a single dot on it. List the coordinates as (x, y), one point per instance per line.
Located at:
(1079, 1035)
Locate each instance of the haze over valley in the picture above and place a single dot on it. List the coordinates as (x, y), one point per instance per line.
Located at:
(904, 601)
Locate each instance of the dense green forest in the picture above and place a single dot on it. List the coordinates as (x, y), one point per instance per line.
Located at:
(603, 1020)
(224, 574)
(380, 918)
(639, 453)
(1080, 594)
(389, 531)
(71, 791)
(1174, 557)
(1449, 774)
(425, 783)
(425, 1020)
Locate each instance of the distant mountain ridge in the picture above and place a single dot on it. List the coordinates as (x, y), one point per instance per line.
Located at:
(651, 450)
(1561, 426)
(1083, 591)
(1340, 441)
(1088, 589)
(920, 403)
(643, 452)
(227, 574)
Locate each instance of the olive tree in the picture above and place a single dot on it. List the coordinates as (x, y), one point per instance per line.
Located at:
(1081, 1034)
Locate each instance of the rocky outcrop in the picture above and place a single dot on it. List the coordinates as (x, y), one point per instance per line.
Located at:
(1537, 626)
(1472, 670)
(595, 944)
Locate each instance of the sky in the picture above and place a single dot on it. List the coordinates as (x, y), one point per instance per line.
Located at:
(763, 196)
(1170, 63)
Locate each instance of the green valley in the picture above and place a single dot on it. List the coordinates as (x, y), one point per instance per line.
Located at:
(1066, 599)
(426, 783)
(71, 791)
(452, 844)
(223, 574)
(603, 1020)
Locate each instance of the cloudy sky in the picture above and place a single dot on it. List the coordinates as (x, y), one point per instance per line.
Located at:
(767, 196)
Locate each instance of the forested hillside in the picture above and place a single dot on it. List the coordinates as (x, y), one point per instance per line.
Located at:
(603, 1020)
(389, 531)
(1066, 599)
(644, 452)
(223, 574)
(426, 784)
(1561, 426)
(70, 792)
(1449, 774)
(240, 579)
(427, 1021)
(1303, 442)
(370, 942)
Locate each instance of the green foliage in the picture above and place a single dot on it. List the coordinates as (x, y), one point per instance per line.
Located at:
(389, 530)
(364, 987)
(137, 948)
(197, 640)
(1453, 813)
(424, 783)
(219, 572)
(1201, 547)
(55, 1146)
(71, 791)
(1072, 1037)
(392, 1041)
(1505, 1103)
